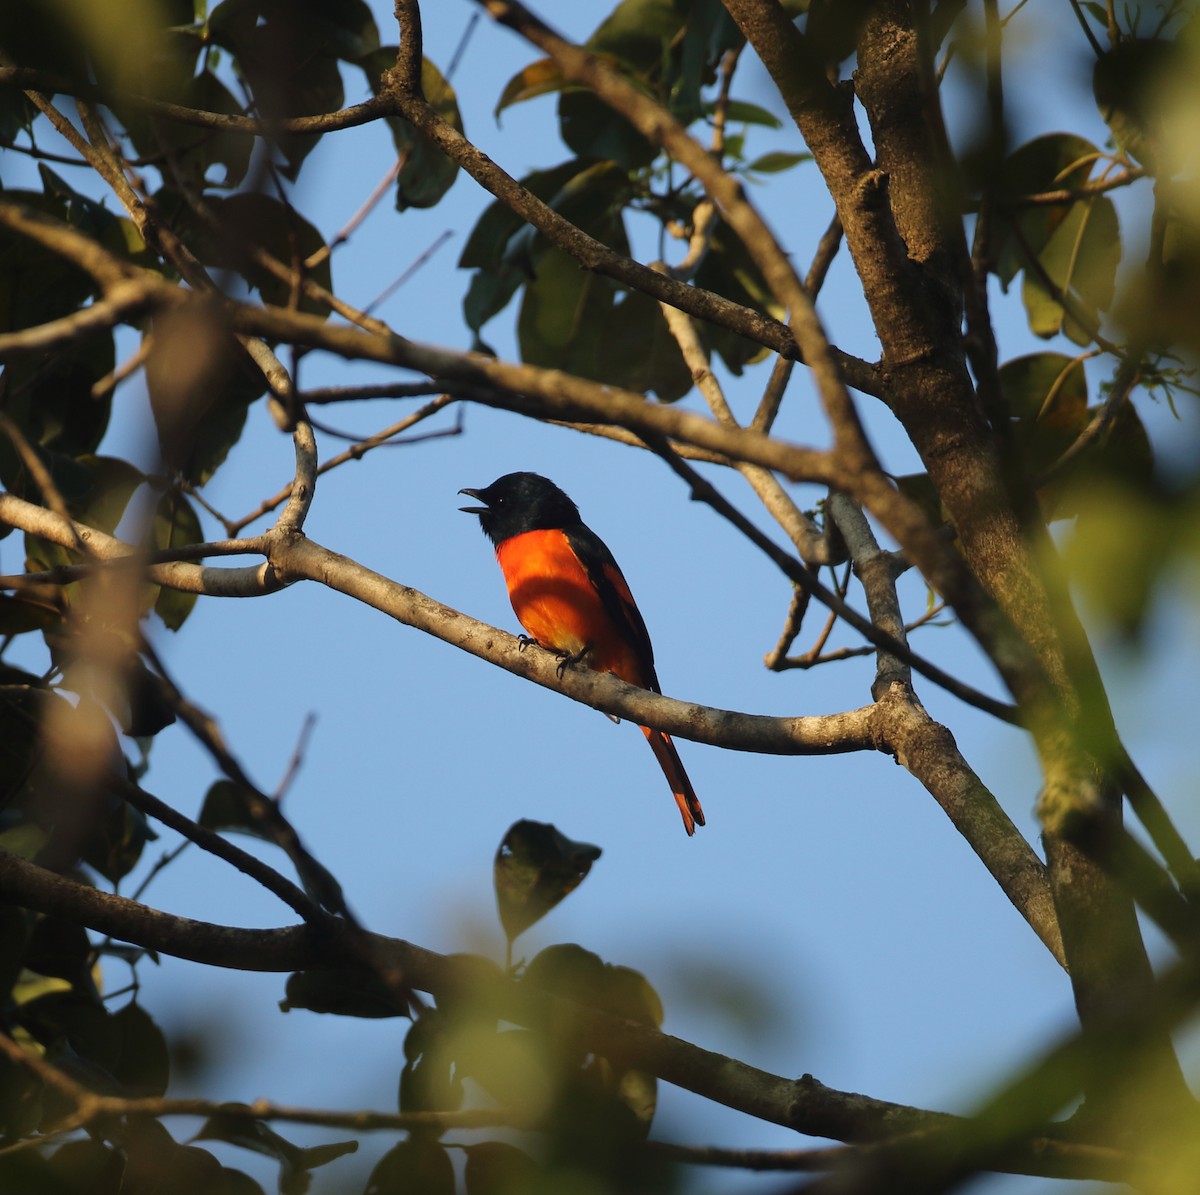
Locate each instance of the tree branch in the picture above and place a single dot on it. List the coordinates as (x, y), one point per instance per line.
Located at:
(804, 1104)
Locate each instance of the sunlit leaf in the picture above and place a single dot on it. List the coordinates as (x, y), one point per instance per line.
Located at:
(538, 78)
(777, 161)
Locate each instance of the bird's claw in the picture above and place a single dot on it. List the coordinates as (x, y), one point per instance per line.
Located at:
(567, 660)
(523, 641)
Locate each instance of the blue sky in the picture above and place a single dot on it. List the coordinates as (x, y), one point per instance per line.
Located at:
(880, 955)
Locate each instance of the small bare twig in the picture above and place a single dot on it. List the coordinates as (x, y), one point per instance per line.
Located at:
(293, 767)
(353, 453)
(381, 189)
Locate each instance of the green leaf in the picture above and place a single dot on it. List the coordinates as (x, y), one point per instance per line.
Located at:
(1120, 545)
(201, 382)
(1055, 161)
(226, 808)
(536, 866)
(1080, 259)
(1129, 81)
(576, 974)
(430, 1081)
(650, 358)
(50, 395)
(344, 992)
(115, 840)
(89, 1166)
(253, 219)
(295, 1163)
(175, 523)
(417, 1166)
(538, 78)
(497, 1168)
(145, 1066)
(777, 161)
(1046, 387)
(114, 482)
(591, 129)
(730, 271)
(744, 112)
(426, 173)
(288, 51)
(156, 1162)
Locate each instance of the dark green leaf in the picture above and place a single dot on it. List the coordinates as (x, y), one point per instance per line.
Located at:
(114, 482)
(148, 707)
(50, 396)
(201, 382)
(295, 1163)
(730, 271)
(88, 1166)
(175, 523)
(36, 285)
(288, 50)
(497, 1168)
(591, 129)
(252, 219)
(1129, 81)
(919, 488)
(226, 807)
(650, 359)
(536, 866)
(202, 157)
(569, 971)
(426, 174)
(116, 836)
(145, 1066)
(488, 245)
(24, 612)
(430, 1085)
(346, 992)
(417, 1166)
(156, 1163)
(635, 32)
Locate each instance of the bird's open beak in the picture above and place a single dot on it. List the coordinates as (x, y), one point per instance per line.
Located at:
(473, 510)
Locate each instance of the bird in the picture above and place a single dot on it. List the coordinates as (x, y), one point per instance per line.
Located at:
(571, 597)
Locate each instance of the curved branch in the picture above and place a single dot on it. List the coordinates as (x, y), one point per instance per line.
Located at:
(252, 581)
(123, 302)
(403, 88)
(803, 1104)
(298, 557)
(30, 79)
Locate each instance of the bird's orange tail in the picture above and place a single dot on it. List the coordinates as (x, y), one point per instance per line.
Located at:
(677, 778)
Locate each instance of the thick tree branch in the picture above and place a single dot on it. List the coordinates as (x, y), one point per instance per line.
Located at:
(405, 90)
(804, 1104)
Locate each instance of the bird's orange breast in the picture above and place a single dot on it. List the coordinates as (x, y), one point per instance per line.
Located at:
(556, 602)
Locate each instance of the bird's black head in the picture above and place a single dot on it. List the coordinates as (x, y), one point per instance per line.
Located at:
(520, 502)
